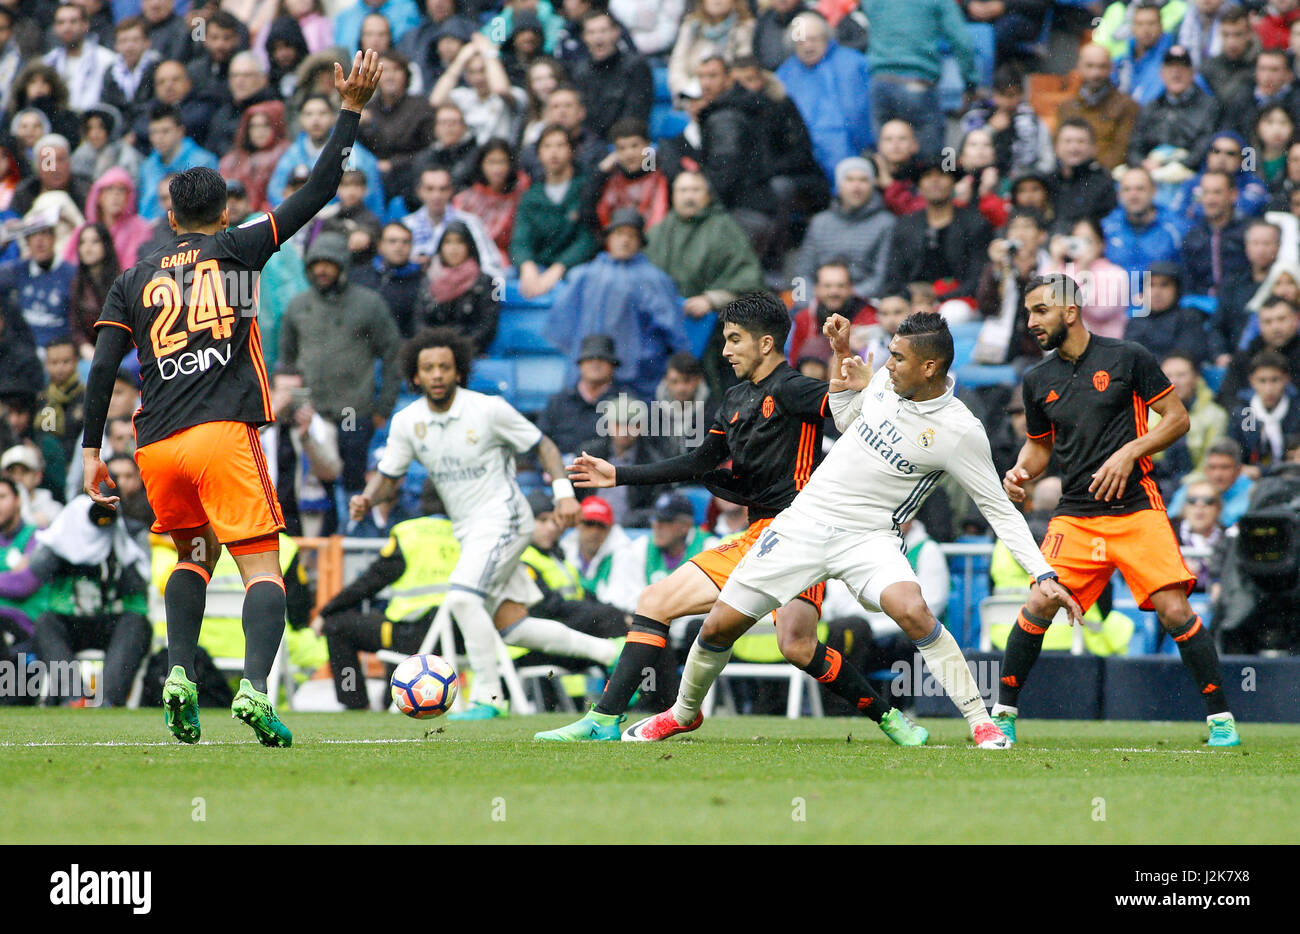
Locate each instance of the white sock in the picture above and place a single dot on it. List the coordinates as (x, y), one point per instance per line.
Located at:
(555, 638)
(946, 662)
(480, 637)
(1226, 713)
(999, 709)
(701, 670)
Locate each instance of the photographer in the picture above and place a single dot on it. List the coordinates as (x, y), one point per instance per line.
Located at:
(302, 457)
(1015, 258)
(96, 579)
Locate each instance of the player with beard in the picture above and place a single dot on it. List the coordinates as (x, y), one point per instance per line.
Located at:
(769, 426)
(468, 442)
(1088, 402)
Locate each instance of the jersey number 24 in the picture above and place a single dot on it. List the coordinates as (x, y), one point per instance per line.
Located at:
(207, 309)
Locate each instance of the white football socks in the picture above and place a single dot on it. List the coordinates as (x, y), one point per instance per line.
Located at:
(480, 636)
(702, 668)
(946, 662)
(555, 638)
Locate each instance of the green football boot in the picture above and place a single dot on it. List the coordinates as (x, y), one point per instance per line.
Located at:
(594, 727)
(254, 708)
(180, 697)
(1006, 722)
(1223, 730)
(479, 711)
(903, 731)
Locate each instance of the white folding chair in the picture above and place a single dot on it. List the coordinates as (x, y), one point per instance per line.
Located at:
(798, 682)
(228, 603)
(1003, 608)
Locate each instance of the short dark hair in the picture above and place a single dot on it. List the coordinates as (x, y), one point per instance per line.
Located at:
(1271, 360)
(595, 13)
(1062, 285)
(1226, 176)
(713, 57)
(1009, 77)
(1033, 215)
(1225, 447)
(198, 197)
(13, 487)
(758, 313)
(685, 363)
(928, 333)
(398, 59)
(317, 96)
(161, 111)
(407, 230)
(224, 19)
(1275, 300)
(1280, 53)
(1182, 355)
(61, 342)
(550, 130)
(836, 262)
(1234, 14)
(628, 126)
(461, 347)
(1079, 124)
(746, 61)
(131, 22)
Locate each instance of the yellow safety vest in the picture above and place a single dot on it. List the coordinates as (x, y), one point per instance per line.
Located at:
(560, 576)
(431, 552)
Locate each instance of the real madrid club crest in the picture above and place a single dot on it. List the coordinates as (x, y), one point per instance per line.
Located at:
(471, 437)
(927, 438)
(420, 429)
(769, 406)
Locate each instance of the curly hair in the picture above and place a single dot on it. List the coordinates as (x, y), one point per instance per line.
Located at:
(461, 347)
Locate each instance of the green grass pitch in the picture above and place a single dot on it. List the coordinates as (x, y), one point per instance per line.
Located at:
(115, 776)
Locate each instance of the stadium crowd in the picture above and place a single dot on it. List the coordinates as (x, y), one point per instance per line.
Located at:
(588, 183)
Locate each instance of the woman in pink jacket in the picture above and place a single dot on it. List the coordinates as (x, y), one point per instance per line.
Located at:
(1105, 285)
(112, 202)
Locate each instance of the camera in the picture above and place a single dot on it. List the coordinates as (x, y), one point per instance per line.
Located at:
(1014, 247)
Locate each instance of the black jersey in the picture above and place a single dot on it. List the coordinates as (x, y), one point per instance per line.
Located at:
(1090, 408)
(191, 309)
(772, 433)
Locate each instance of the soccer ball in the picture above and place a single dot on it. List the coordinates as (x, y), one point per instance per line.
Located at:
(425, 686)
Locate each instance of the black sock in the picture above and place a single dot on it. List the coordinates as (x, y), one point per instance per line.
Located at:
(645, 643)
(844, 680)
(1202, 660)
(185, 596)
(1023, 647)
(263, 629)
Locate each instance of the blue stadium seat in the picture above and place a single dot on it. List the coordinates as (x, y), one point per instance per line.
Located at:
(494, 376)
(537, 379)
(665, 123)
(700, 499)
(1213, 375)
(1206, 303)
(974, 375)
(662, 94)
(514, 299)
(698, 331)
(521, 332)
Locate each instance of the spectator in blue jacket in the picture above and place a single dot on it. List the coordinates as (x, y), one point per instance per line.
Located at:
(1263, 422)
(1214, 250)
(402, 15)
(173, 152)
(830, 85)
(906, 62)
(39, 287)
(316, 117)
(1137, 232)
(1137, 71)
(1225, 155)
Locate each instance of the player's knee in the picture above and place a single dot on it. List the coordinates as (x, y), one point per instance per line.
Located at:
(796, 648)
(654, 602)
(914, 618)
(461, 601)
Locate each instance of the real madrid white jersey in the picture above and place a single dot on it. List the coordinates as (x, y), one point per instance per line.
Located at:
(469, 451)
(890, 458)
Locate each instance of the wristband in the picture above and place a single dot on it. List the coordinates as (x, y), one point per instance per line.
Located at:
(1049, 576)
(562, 489)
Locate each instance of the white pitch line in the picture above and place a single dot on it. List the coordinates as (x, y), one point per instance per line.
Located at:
(337, 742)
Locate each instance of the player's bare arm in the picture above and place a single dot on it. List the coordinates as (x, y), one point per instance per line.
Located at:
(1112, 477)
(96, 472)
(1032, 461)
(380, 489)
(567, 509)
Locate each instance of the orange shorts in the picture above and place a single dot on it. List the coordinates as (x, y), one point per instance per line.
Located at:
(211, 473)
(1085, 551)
(719, 562)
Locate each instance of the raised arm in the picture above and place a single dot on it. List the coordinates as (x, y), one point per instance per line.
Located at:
(594, 472)
(323, 182)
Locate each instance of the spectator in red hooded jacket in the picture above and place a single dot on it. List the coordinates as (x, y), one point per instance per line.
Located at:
(259, 144)
(112, 202)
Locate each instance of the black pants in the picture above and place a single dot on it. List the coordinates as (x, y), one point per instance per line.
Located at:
(354, 448)
(124, 639)
(351, 632)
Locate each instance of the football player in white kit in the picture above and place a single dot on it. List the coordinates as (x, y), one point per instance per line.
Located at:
(903, 428)
(468, 442)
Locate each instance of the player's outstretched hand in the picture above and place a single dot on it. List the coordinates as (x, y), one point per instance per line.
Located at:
(1013, 482)
(95, 473)
(1112, 477)
(836, 330)
(587, 471)
(568, 511)
(1055, 590)
(358, 506)
(360, 84)
(855, 374)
